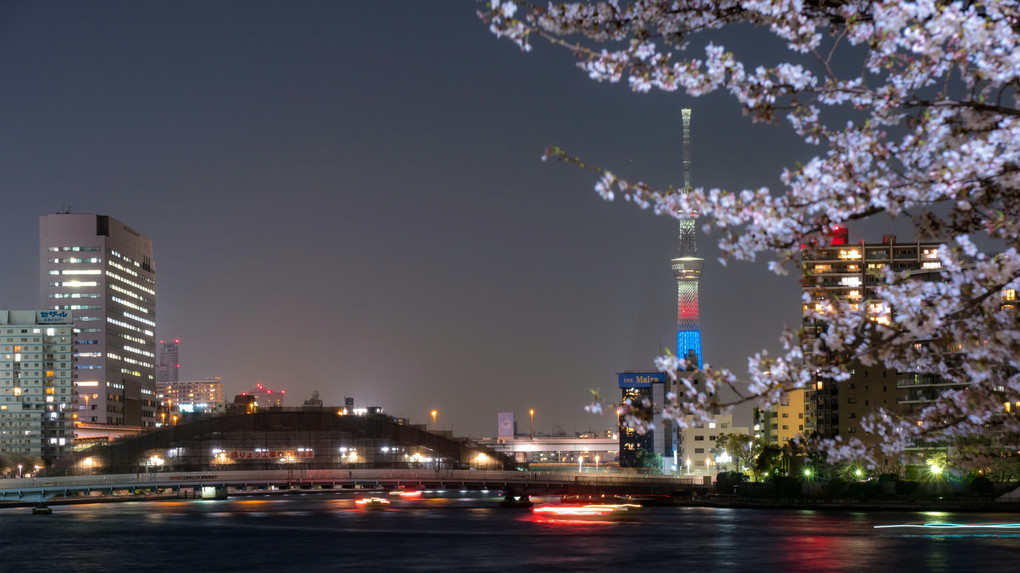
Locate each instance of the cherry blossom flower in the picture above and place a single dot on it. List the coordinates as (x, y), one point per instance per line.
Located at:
(934, 136)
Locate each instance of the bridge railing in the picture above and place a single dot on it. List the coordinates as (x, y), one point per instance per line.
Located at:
(365, 476)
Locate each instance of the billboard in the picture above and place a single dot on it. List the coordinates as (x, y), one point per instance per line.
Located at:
(640, 379)
(505, 427)
(52, 317)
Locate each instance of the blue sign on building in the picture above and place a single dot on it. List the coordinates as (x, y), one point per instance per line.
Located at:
(640, 379)
(52, 317)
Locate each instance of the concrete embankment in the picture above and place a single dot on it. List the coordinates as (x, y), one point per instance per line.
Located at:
(892, 504)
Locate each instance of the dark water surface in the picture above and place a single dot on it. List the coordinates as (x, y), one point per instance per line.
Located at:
(467, 532)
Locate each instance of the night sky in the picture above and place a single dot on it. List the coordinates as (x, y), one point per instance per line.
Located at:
(348, 197)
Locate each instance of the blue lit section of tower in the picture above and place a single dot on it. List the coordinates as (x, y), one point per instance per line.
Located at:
(687, 270)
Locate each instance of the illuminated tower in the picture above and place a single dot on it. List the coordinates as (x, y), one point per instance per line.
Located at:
(687, 269)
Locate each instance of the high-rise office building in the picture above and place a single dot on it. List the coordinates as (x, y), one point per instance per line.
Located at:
(687, 270)
(36, 383)
(169, 367)
(103, 272)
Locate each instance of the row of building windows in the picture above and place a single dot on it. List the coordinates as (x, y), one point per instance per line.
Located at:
(76, 260)
(130, 283)
(72, 249)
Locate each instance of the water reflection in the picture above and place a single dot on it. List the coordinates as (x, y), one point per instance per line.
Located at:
(448, 530)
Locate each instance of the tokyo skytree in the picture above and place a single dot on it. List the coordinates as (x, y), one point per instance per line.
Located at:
(687, 270)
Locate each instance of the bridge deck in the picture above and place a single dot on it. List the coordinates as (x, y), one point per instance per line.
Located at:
(533, 482)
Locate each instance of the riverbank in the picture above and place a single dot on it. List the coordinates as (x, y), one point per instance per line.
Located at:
(984, 505)
(82, 500)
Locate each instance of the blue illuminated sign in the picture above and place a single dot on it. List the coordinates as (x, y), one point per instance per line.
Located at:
(640, 379)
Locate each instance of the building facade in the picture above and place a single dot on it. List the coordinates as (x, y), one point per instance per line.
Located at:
(169, 367)
(36, 383)
(192, 396)
(851, 272)
(637, 448)
(783, 421)
(104, 273)
(268, 398)
(697, 443)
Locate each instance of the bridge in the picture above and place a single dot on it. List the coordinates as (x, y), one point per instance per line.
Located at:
(220, 484)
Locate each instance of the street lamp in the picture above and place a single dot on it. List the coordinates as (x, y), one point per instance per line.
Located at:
(19, 470)
(723, 459)
(532, 414)
(596, 463)
(434, 413)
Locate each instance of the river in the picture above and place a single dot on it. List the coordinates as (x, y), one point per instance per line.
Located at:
(466, 531)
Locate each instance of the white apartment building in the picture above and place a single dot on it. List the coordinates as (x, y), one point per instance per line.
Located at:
(103, 272)
(697, 444)
(36, 383)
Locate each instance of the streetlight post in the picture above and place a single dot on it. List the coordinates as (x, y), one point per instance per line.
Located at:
(532, 414)
(434, 413)
(596, 463)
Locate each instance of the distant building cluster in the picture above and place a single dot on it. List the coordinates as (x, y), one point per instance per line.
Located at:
(85, 366)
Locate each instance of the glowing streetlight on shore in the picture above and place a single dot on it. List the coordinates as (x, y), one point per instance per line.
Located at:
(434, 414)
(532, 414)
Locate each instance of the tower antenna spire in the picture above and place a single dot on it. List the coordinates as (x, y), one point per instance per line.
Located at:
(686, 114)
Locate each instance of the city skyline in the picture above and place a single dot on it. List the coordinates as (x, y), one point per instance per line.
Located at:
(379, 227)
